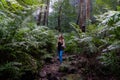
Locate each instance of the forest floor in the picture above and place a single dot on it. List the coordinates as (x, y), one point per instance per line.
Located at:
(74, 67)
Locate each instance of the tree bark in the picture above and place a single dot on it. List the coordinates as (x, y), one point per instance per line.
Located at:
(77, 22)
(48, 5)
(82, 24)
(59, 18)
(46, 13)
(39, 16)
(78, 17)
(88, 9)
(44, 18)
(84, 13)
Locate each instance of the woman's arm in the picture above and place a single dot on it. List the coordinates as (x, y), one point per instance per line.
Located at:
(63, 43)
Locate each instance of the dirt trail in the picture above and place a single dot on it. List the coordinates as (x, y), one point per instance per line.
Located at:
(56, 71)
(74, 67)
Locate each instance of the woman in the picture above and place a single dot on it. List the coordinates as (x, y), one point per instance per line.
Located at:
(60, 46)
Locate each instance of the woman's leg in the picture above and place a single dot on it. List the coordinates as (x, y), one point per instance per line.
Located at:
(60, 55)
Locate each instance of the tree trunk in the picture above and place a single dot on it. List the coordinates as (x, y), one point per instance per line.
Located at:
(91, 5)
(39, 16)
(84, 13)
(59, 18)
(77, 22)
(88, 2)
(46, 13)
(44, 18)
(78, 17)
(48, 4)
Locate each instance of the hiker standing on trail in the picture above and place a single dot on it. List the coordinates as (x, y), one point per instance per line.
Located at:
(60, 46)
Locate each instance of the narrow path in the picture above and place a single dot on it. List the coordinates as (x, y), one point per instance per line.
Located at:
(57, 71)
(74, 67)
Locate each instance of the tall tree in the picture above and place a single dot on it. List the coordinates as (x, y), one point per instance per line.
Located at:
(39, 16)
(48, 7)
(43, 13)
(83, 13)
(46, 12)
(59, 15)
(63, 13)
(88, 8)
(82, 16)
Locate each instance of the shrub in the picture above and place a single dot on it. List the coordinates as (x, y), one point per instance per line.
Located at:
(71, 42)
(10, 71)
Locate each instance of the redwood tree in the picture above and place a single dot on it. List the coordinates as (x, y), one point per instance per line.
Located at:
(59, 15)
(39, 16)
(46, 12)
(84, 13)
(43, 14)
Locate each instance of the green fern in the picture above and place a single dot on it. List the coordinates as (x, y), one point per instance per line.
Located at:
(77, 28)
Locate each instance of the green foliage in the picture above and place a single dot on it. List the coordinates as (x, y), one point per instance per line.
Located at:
(21, 40)
(87, 46)
(118, 8)
(102, 6)
(23, 45)
(10, 71)
(111, 22)
(71, 42)
(66, 15)
(36, 42)
(110, 34)
(91, 28)
(109, 18)
(103, 41)
(77, 28)
(111, 61)
(85, 41)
